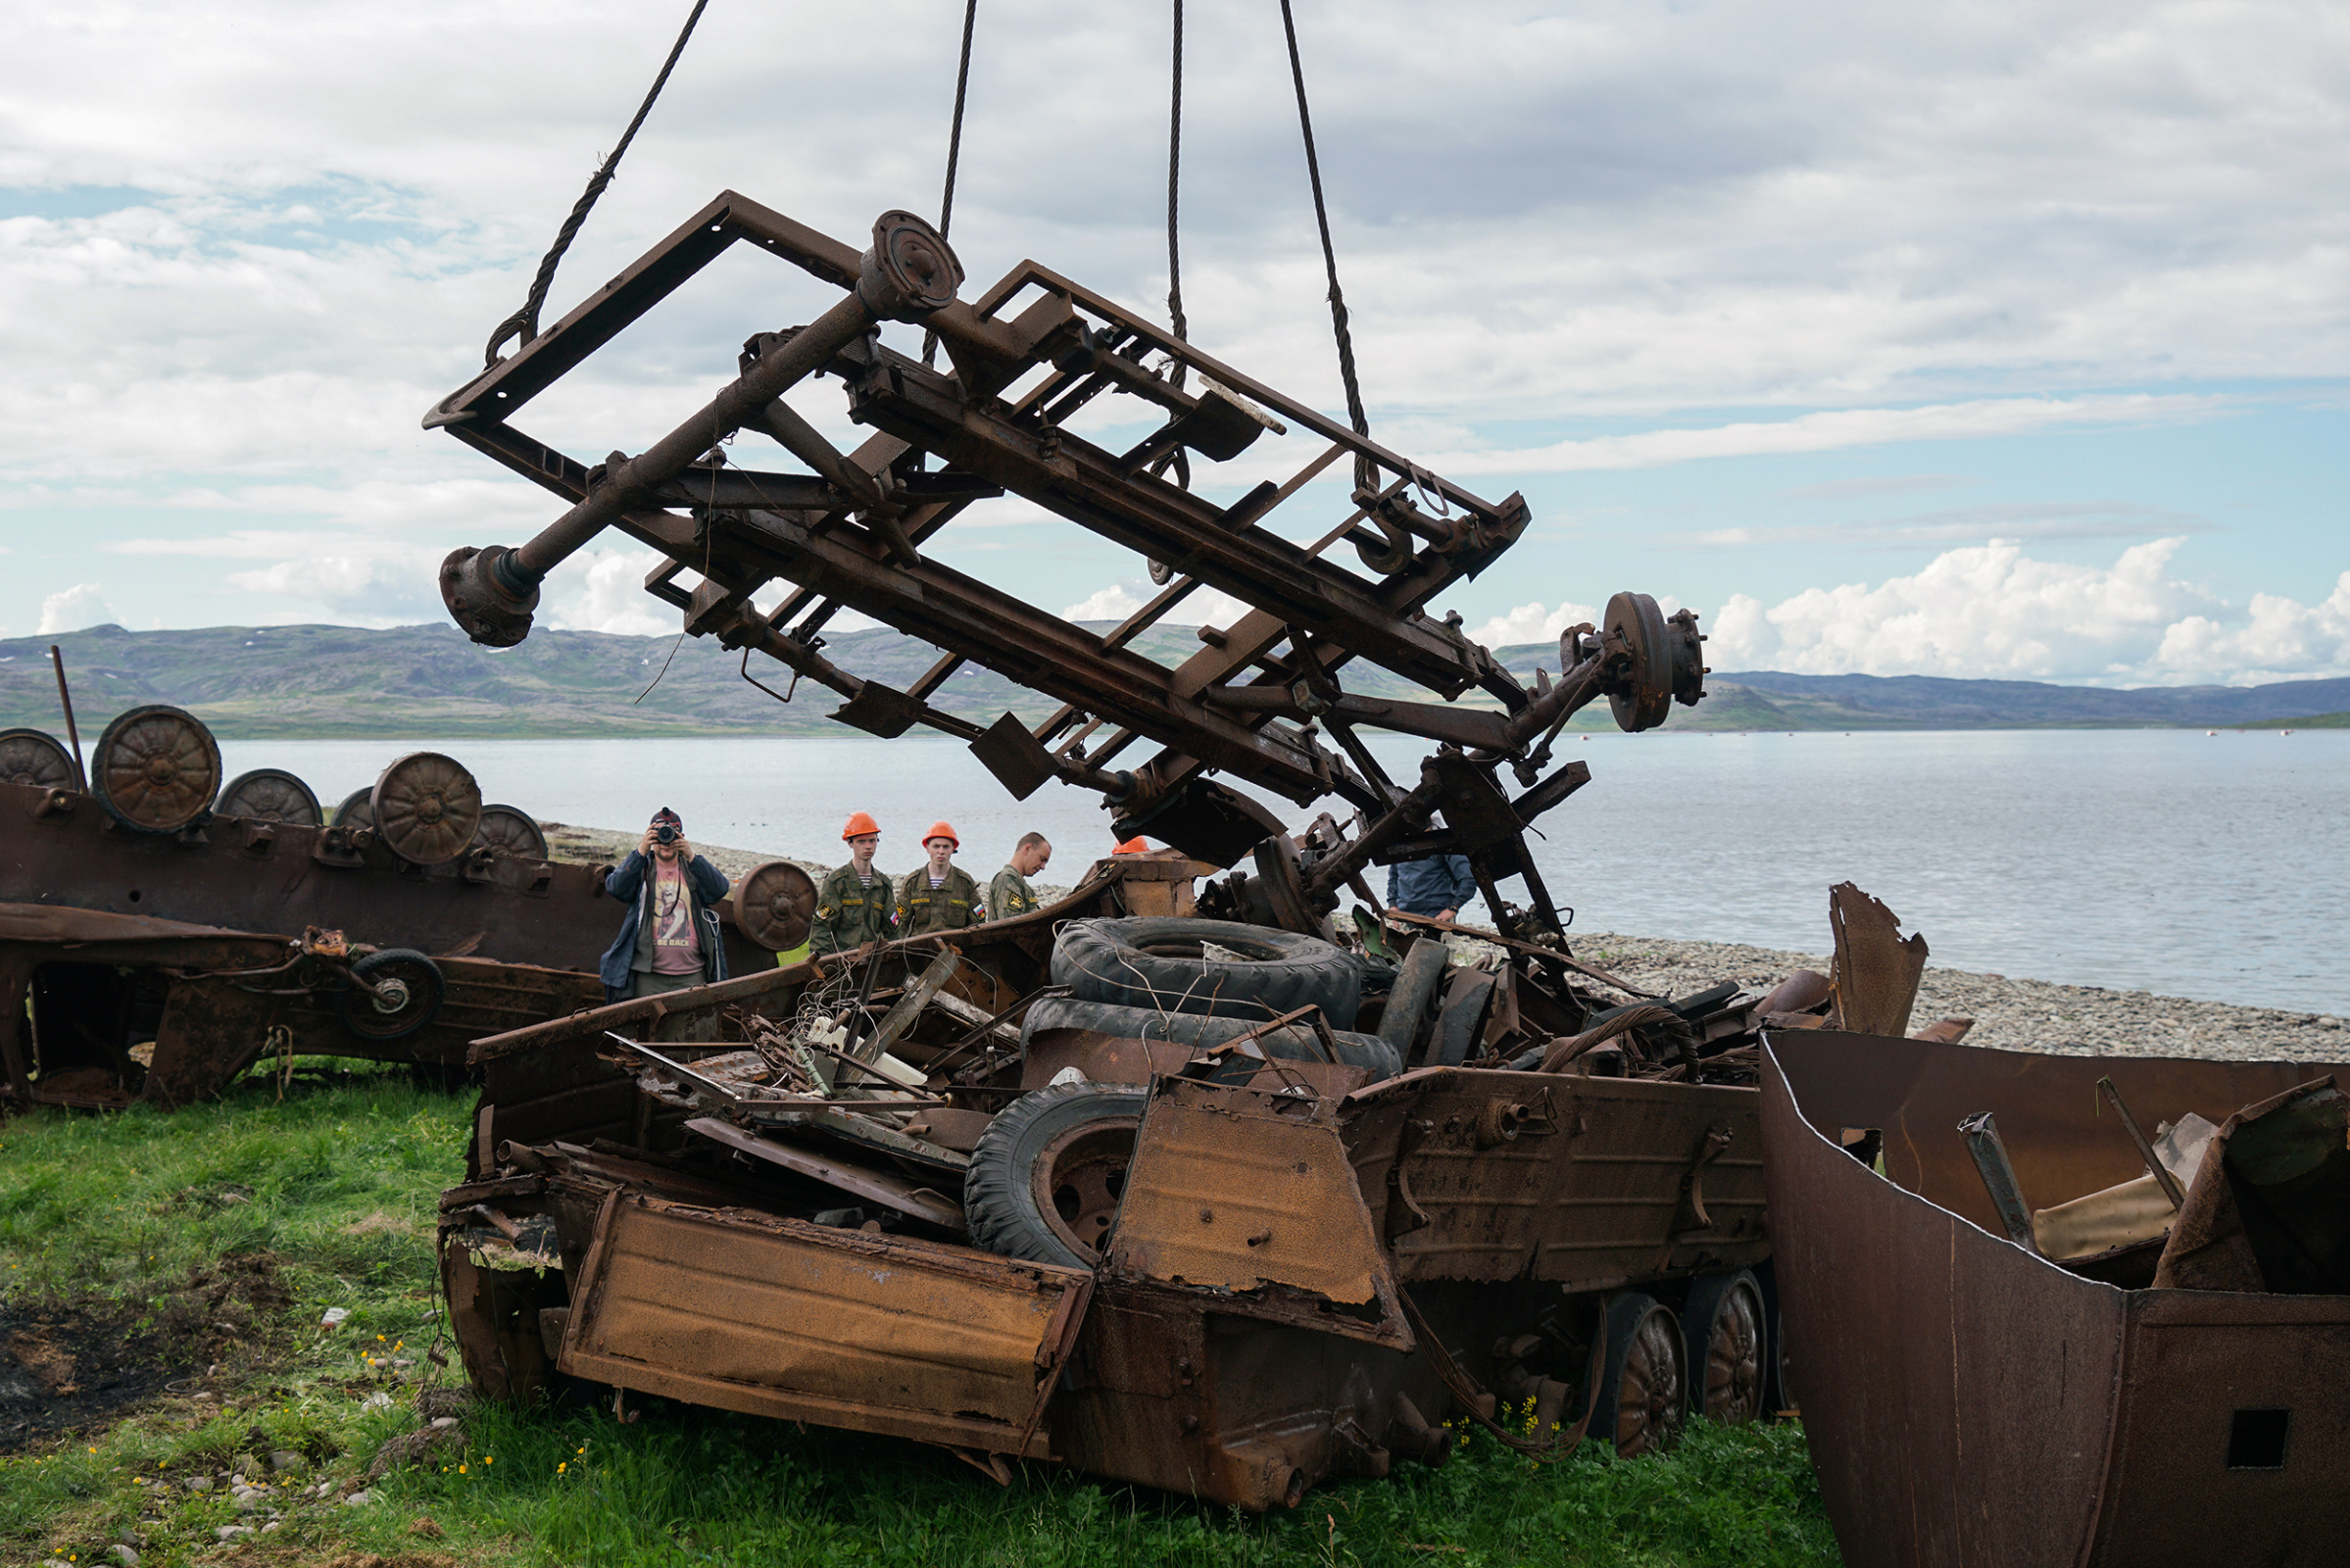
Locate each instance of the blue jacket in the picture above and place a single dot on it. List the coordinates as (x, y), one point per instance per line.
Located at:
(705, 886)
(1432, 886)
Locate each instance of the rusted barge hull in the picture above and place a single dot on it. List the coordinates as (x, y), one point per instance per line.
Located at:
(1968, 1401)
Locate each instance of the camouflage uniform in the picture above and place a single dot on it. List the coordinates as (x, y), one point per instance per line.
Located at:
(849, 914)
(1009, 895)
(953, 906)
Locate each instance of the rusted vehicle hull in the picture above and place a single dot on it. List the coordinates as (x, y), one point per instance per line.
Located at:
(80, 990)
(109, 932)
(1968, 1401)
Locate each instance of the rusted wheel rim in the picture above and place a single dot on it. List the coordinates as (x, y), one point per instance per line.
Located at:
(425, 807)
(776, 905)
(510, 830)
(156, 768)
(29, 757)
(356, 809)
(1733, 1360)
(270, 795)
(1079, 1180)
(1644, 694)
(1648, 1396)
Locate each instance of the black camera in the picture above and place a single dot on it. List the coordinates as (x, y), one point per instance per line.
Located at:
(665, 834)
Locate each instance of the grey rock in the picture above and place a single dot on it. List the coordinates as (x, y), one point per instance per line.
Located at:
(358, 1499)
(128, 1556)
(232, 1532)
(286, 1462)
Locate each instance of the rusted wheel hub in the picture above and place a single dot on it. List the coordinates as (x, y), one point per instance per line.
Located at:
(1080, 1180)
(157, 769)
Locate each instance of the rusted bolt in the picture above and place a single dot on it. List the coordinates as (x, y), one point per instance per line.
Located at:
(1260, 1237)
(1207, 1216)
(1191, 1423)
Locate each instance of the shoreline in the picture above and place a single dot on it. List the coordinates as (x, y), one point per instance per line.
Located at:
(2040, 1015)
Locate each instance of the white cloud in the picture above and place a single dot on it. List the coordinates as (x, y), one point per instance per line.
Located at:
(72, 608)
(604, 590)
(1993, 611)
(1532, 624)
(1203, 607)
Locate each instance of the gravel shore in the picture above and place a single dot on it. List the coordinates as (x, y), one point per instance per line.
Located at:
(2015, 1015)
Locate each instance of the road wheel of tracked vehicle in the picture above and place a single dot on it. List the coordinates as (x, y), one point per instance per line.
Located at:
(357, 809)
(426, 807)
(1726, 1346)
(32, 756)
(1164, 964)
(270, 795)
(510, 830)
(1416, 987)
(776, 905)
(1047, 1175)
(156, 769)
(395, 993)
(1641, 1406)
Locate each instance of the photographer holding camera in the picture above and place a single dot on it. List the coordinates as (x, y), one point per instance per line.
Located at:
(670, 938)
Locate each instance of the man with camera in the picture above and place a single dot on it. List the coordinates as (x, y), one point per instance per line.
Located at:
(670, 939)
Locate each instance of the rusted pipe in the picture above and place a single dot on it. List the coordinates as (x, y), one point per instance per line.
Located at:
(64, 699)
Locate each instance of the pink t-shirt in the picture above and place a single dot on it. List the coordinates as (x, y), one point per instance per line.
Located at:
(676, 946)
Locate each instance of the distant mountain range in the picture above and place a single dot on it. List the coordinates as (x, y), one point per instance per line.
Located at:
(338, 681)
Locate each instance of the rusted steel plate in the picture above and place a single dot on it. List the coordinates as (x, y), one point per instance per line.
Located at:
(1591, 1182)
(1247, 1194)
(1968, 1402)
(784, 1318)
(1877, 970)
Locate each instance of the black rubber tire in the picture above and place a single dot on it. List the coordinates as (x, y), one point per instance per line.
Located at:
(1000, 1196)
(1416, 986)
(427, 989)
(1154, 962)
(1710, 1295)
(1295, 1043)
(1628, 1313)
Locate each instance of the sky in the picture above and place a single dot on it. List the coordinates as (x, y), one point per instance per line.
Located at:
(1980, 340)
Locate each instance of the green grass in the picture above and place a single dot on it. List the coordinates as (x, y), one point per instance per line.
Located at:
(342, 1179)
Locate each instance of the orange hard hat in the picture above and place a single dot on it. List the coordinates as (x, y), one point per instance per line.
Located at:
(1138, 844)
(942, 830)
(859, 824)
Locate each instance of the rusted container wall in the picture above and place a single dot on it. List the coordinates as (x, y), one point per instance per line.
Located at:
(1968, 1402)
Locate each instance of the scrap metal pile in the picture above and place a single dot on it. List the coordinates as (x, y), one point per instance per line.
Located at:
(1188, 1185)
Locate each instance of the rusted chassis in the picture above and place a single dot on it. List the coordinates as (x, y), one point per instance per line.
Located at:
(1249, 1333)
(1970, 1402)
(105, 930)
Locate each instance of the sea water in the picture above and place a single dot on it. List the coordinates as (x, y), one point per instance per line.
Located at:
(2211, 866)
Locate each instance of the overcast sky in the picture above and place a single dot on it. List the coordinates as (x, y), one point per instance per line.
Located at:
(1981, 340)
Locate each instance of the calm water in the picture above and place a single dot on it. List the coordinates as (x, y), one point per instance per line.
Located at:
(2207, 866)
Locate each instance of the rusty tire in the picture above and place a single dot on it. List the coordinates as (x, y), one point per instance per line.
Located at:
(1725, 1347)
(1409, 1000)
(1047, 1175)
(270, 795)
(32, 756)
(156, 769)
(1295, 1043)
(1641, 1405)
(1158, 963)
(399, 991)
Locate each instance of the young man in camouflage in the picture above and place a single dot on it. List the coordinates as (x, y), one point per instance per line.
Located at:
(1009, 895)
(852, 903)
(938, 896)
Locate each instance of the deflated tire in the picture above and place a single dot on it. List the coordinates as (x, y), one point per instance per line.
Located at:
(1216, 968)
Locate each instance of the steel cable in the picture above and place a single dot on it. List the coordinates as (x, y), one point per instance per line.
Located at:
(1365, 477)
(523, 324)
(954, 151)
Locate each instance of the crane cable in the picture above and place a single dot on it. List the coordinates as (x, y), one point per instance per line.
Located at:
(523, 324)
(954, 151)
(1365, 477)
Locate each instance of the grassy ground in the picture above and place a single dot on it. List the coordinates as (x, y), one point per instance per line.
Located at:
(186, 1260)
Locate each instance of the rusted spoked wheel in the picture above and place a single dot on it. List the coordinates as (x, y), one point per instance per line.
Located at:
(1047, 1176)
(32, 756)
(1727, 1345)
(394, 994)
(356, 809)
(270, 795)
(510, 830)
(1640, 1391)
(776, 906)
(425, 809)
(156, 769)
